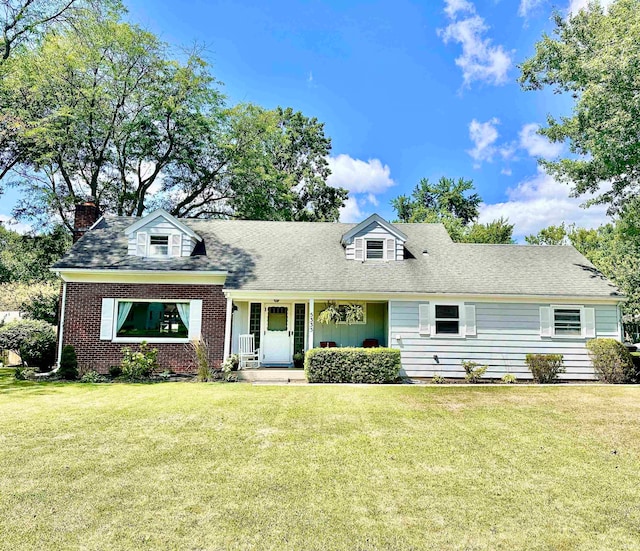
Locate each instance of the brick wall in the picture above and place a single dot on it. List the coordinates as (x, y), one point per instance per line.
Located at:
(82, 323)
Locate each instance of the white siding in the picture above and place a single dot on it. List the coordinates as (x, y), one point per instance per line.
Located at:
(505, 333)
(374, 231)
(240, 324)
(162, 227)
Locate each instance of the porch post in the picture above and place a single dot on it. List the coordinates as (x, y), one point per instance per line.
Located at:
(227, 329)
(311, 319)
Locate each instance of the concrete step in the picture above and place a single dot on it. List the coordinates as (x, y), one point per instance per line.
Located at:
(272, 375)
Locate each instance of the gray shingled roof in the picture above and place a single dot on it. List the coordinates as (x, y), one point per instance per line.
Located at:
(302, 256)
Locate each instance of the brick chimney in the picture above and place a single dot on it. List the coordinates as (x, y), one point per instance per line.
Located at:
(87, 214)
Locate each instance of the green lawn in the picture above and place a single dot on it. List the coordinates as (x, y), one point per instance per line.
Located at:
(214, 466)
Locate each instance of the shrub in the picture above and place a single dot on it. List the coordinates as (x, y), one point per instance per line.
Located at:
(200, 350)
(23, 373)
(635, 357)
(352, 365)
(93, 377)
(438, 380)
(33, 340)
(509, 379)
(298, 360)
(115, 371)
(68, 363)
(611, 361)
(545, 367)
(140, 364)
(474, 371)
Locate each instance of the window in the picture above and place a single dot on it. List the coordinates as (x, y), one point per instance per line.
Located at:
(567, 322)
(299, 328)
(158, 245)
(447, 319)
(152, 320)
(375, 249)
(254, 322)
(277, 318)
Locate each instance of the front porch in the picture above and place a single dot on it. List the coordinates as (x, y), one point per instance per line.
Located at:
(283, 329)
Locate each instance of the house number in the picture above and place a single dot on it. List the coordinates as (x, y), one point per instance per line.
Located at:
(311, 322)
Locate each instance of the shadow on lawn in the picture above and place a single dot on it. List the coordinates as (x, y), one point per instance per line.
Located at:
(8, 383)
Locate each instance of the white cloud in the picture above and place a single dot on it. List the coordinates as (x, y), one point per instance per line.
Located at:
(359, 176)
(373, 199)
(480, 59)
(484, 136)
(541, 201)
(351, 212)
(12, 224)
(537, 145)
(506, 171)
(576, 5)
(527, 6)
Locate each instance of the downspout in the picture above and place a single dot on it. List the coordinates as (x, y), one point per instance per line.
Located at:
(63, 307)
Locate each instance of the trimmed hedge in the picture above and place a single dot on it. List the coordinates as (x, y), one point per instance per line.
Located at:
(352, 365)
(611, 361)
(33, 340)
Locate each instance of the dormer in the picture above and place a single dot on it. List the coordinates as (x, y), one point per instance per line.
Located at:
(159, 235)
(374, 240)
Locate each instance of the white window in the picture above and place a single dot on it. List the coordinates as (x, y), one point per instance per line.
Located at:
(447, 319)
(158, 245)
(567, 322)
(375, 249)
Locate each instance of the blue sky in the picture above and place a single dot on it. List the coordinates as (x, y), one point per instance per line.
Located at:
(406, 90)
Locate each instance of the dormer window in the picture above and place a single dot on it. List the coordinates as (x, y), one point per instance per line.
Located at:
(158, 245)
(375, 249)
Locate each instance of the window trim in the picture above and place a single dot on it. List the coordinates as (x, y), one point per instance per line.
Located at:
(150, 340)
(579, 307)
(461, 320)
(149, 236)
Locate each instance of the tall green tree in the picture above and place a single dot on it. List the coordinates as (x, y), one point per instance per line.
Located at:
(455, 204)
(262, 164)
(594, 56)
(551, 235)
(432, 200)
(102, 109)
(23, 20)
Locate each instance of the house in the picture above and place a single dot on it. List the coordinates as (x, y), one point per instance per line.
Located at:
(168, 281)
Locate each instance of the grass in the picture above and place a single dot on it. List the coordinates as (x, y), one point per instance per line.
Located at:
(214, 466)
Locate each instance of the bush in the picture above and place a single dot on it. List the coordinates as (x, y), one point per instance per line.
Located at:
(438, 380)
(33, 340)
(298, 360)
(545, 367)
(93, 377)
(140, 364)
(509, 379)
(474, 371)
(68, 363)
(352, 365)
(115, 371)
(611, 361)
(23, 373)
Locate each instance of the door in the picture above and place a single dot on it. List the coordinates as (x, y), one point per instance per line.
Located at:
(277, 341)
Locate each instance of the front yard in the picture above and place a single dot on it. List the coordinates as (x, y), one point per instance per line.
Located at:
(212, 466)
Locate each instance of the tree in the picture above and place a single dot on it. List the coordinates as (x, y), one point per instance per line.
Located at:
(455, 205)
(497, 232)
(262, 165)
(552, 235)
(21, 20)
(433, 200)
(595, 57)
(27, 258)
(101, 109)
